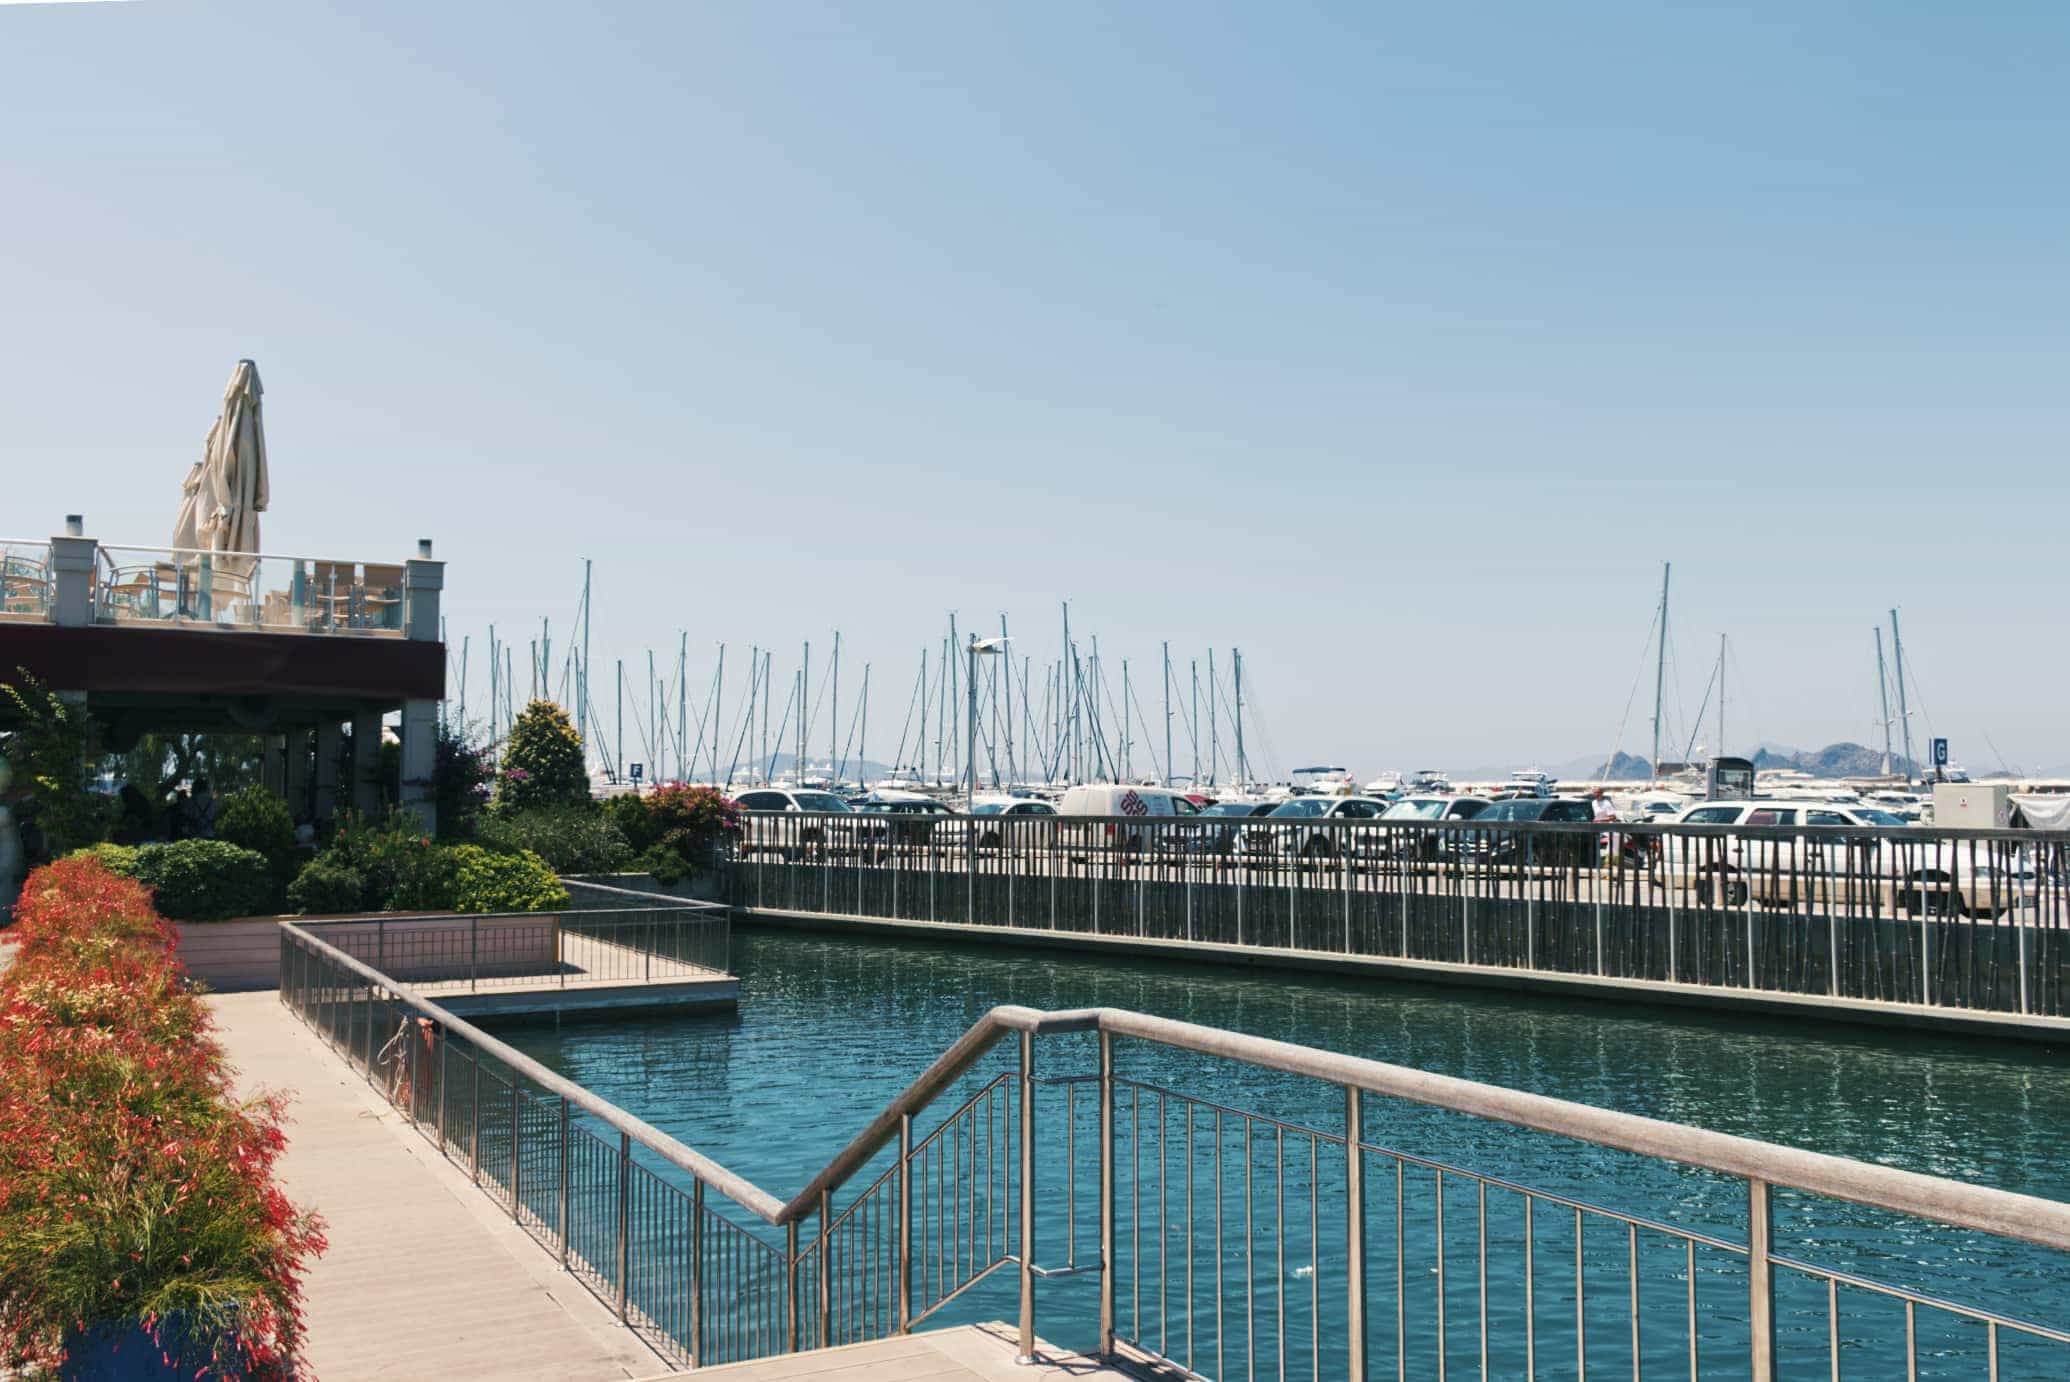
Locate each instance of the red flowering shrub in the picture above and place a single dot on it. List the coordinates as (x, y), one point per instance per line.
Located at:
(134, 1186)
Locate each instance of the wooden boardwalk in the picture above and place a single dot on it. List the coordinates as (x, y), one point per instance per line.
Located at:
(427, 1278)
(424, 1278)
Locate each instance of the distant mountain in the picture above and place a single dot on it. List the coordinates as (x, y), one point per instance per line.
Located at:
(1834, 760)
(1622, 767)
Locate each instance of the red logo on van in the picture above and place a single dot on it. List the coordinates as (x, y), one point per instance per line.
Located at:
(1133, 805)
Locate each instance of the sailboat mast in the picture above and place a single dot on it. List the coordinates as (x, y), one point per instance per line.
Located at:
(1067, 700)
(1660, 667)
(1720, 750)
(1214, 723)
(1883, 696)
(1195, 722)
(1167, 714)
(1897, 647)
(1243, 763)
(862, 738)
(1128, 771)
(1006, 660)
(834, 711)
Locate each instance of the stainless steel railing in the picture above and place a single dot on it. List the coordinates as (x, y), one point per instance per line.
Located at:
(576, 945)
(1200, 1214)
(1971, 919)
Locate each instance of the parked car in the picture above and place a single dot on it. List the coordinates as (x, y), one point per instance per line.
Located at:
(1567, 849)
(1428, 844)
(1295, 828)
(986, 822)
(762, 829)
(1793, 853)
(915, 816)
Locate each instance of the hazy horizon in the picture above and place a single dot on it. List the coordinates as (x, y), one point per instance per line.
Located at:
(1396, 349)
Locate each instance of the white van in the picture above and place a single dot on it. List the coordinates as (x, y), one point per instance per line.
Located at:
(1121, 799)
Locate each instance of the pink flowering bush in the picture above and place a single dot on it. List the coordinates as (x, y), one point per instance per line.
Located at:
(136, 1189)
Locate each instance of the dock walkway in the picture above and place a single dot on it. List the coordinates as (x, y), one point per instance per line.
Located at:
(423, 1277)
(426, 1277)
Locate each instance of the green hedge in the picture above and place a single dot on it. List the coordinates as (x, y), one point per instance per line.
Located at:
(490, 882)
(194, 880)
(326, 886)
(569, 839)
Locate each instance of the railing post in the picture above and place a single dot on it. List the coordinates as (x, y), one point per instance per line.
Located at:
(1354, 1234)
(474, 953)
(624, 1218)
(381, 944)
(368, 1046)
(697, 1273)
(438, 1036)
(905, 1222)
(1760, 1284)
(1106, 1194)
(517, 1162)
(826, 1277)
(474, 1112)
(790, 1286)
(563, 1215)
(1027, 1322)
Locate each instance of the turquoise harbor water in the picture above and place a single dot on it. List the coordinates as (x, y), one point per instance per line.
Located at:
(830, 1028)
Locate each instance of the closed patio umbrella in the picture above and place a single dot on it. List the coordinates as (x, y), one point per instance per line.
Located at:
(187, 527)
(233, 465)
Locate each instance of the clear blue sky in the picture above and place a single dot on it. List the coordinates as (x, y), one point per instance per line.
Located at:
(1397, 345)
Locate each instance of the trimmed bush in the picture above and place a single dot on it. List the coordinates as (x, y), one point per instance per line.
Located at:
(327, 886)
(570, 841)
(485, 881)
(542, 761)
(205, 880)
(120, 860)
(136, 1190)
(257, 820)
(628, 812)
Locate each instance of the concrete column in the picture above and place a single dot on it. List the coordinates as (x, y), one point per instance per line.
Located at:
(419, 757)
(298, 766)
(72, 566)
(366, 764)
(330, 745)
(273, 770)
(423, 579)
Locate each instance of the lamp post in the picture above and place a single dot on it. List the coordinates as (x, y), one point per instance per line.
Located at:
(990, 647)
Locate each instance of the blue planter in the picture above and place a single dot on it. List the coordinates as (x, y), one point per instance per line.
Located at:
(124, 1351)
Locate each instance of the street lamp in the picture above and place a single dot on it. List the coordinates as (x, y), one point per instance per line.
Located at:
(988, 647)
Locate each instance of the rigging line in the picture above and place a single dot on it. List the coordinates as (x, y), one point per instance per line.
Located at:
(776, 744)
(1262, 730)
(1750, 710)
(899, 759)
(1625, 722)
(1150, 747)
(1696, 725)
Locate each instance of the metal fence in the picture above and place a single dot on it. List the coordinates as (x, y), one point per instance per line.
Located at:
(1969, 919)
(1226, 1241)
(578, 945)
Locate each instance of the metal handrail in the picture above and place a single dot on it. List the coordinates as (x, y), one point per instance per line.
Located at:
(2006, 1213)
(736, 1187)
(2003, 1212)
(220, 552)
(1915, 834)
(1761, 1166)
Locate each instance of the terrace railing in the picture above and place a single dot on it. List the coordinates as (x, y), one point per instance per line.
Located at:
(1223, 1240)
(256, 592)
(28, 587)
(578, 945)
(1953, 918)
